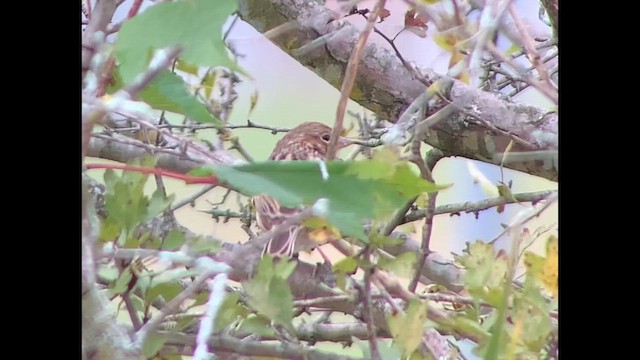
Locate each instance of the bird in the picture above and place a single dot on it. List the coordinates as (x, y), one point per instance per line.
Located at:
(307, 141)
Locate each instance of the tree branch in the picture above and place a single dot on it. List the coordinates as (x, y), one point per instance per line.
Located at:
(350, 78)
(102, 336)
(476, 207)
(386, 87)
(225, 343)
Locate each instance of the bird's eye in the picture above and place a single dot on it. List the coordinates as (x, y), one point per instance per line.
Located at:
(326, 137)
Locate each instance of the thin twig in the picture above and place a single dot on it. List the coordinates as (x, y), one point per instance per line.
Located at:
(233, 23)
(510, 79)
(133, 315)
(159, 63)
(235, 145)
(528, 43)
(525, 216)
(405, 63)
(251, 125)
(476, 207)
(350, 78)
(321, 300)
(366, 307)
(284, 226)
(398, 217)
(393, 286)
(184, 345)
(172, 306)
(191, 198)
(544, 88)
(148, 147)
(158, 139)
(489, 21)
(427, 228)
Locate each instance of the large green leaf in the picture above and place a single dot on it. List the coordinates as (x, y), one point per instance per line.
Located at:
(407, 328)
(169, 92)
(269, 293)
(356, 190)
(195, 25)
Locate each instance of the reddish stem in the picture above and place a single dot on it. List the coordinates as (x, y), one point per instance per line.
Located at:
(188, 179)
(134, 8)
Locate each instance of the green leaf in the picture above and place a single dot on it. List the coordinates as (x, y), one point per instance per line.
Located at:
(378, 240)
(201, 171)
(200, 245)
(158, 203)
(258, 325)
(122, 284)
(402, 265)
(137, 303)
(270, 295)
(485, 273)
(109, 229)
(173, 240)
(152, 344)
(355, 191)
(464, 324)
(532, 315)
(108, 273)
(168, 290)
(343, 267)
(406, 328)
(284, 269)
(230, 311)
(168, 91)
(496, 344)
(196, 26)
(186, 67)
(173, 275)
(124, 199)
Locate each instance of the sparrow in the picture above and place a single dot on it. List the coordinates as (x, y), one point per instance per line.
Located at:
(307, 141)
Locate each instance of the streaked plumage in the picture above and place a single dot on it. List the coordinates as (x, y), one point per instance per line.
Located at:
(307, 141)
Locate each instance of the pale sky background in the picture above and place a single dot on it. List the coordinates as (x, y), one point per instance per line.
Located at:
(290, 94)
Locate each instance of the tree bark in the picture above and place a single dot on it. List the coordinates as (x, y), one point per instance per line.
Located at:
(482, 131)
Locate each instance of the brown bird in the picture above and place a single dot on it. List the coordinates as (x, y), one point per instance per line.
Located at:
(307, 141)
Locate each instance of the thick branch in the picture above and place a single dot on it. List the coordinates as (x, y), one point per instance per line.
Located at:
(223, 343)
(386, 87)
(102, 336)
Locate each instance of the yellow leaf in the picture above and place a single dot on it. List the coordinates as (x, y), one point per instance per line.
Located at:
(446, 41)
(458, 67)
(545, 269)
(550, 270)
(516, 334)
(321, 231)
(186, 67)
(347, 130)
(254, 101)
(479, 178)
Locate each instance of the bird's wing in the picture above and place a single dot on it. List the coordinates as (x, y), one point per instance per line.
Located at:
(270, 214)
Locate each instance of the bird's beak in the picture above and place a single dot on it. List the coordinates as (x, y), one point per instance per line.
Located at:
(344, 142)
